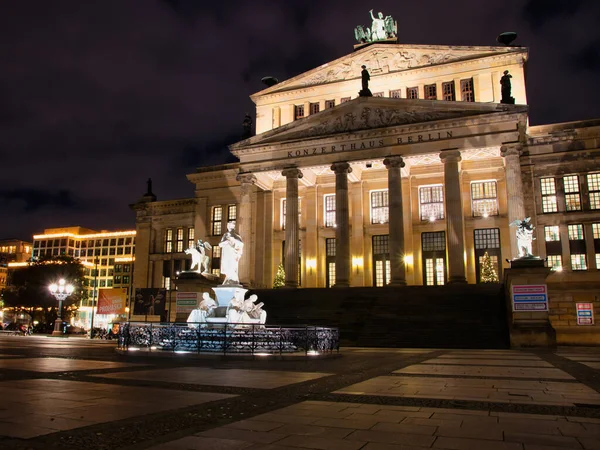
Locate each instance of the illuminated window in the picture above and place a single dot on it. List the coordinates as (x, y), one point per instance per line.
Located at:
(381, 260)
(168, 240)
(578, 262)
(431, 202)
(166, 283)
(217, 218)
(484, 197)
(548, 188)
(552, 233)
(231, 213)
(179, 240)
(575, 232)
(329, 104)
(412, 93)
(572, 197)
(397, 93)
(284, 209)
(330, 261)
(298, 112)
(466, 90)
(215, 262)
(448, 91)
(345, 99)
(593, 180)
(596, 230)
(329, 210)
(430, 92)
(380, 212)
(554, 261)
(314, 108)
(191, 242)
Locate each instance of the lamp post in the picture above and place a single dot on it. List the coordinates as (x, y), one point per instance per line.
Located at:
(96, 261)
(60, 291)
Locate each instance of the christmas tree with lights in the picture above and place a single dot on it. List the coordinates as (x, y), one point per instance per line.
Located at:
(488, 272)
(279, 280)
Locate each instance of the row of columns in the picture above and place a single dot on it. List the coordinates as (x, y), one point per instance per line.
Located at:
(454, 217)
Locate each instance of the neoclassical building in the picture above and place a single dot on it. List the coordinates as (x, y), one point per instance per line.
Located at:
(410, 186)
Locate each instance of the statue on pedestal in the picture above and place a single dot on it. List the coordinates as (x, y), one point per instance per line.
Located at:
(365, 77)
(246, 312)
(381, 29)
(524, 237)
(205, 309)
(506, 89)
(232, 248)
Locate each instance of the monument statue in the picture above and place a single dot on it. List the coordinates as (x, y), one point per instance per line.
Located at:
(232, 248)
(524, 237)
(381, 29)
(149, 184)
(246, 312)
(365, 77)
(247, 125)
(204, 310)
(506, 89)
(200, 260)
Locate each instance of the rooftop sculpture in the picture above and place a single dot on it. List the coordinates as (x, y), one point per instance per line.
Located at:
(381, 29)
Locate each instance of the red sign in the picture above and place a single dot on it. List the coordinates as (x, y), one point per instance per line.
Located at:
(112, 301)
(585, 314)
(530, 289)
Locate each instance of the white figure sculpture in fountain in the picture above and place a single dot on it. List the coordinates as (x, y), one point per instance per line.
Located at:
(200, 260)
(204, 310)
(524, 237)
(246, 312)
(232, 248)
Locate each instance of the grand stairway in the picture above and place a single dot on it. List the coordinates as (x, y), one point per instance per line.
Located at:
(454, 316)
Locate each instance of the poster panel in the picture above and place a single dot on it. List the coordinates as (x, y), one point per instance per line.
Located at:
(149, 302)
(112, 300)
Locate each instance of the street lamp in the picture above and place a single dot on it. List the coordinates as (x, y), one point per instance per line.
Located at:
(60, 291)
(94, 296)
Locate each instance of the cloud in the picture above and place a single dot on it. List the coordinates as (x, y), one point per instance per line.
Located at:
(32, 200)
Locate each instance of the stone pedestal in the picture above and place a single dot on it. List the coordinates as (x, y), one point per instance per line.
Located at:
(192, 282)
(58, 328)
(528, 328)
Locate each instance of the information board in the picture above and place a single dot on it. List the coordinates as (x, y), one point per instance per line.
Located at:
(530, 297)
(585, 314)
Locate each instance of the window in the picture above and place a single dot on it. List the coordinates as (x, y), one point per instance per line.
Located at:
(381, 260)
(314, 108)
(215, 262)
(231, 213)
(484, 197)
(329, 210)
(165, 284)
(284, 209)
(329, 104)
(378, 94)
(168, 240)
(487, 240)
(448, 91)
(596, 230)
(126, 268)
(117, 279)
(412, 93)
(578, 262)
(217, 217)
(125, 279)
(298, 112)
(433, 247)
(430, 92)
(552, 233)
(397, 93)
(345, 99)
(431, 202)
(330, 261)
(179, 240)
(191, 242)
(575, 232)
(593, 180)
(380, 212)
(555, 261)
(548, 188)
(466, 90)
(572, 197)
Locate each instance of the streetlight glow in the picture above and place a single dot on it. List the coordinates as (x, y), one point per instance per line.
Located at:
(60, 291)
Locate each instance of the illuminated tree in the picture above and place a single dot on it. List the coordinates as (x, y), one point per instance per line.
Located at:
(488, 272)
(279, 280)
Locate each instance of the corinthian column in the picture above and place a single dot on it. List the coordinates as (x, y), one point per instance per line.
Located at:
(514, 190)
(342, 221)
(394, 165)
(292, 236)
(454, 217)
(244, 225)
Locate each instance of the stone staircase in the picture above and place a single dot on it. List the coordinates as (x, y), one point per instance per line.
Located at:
(454, 316)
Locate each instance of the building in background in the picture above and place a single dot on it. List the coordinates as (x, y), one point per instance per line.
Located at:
(11, 251)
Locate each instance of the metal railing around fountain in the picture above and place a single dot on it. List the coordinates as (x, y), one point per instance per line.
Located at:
(227, 338)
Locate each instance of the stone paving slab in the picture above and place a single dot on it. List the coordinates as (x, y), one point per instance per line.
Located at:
(37, 407)
(260, 379)
(59, 364)
(488, 362)
(384, 427)
(483, 371)
(488, 390)
(490, 356)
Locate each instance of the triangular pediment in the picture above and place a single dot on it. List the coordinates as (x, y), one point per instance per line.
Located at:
(385, 58)
(368, 113)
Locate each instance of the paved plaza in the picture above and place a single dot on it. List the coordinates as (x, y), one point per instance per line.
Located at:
(73, 394)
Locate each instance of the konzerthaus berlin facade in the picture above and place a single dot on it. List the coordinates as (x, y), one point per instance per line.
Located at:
(412, 185)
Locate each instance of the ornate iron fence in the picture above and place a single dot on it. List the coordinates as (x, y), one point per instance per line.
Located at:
(227, 338)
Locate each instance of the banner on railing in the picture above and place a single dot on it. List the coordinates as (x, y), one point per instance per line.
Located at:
(186, 302)
(112, 301)
(149, 302)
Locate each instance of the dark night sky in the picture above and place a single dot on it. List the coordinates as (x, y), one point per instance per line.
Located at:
(97, 96)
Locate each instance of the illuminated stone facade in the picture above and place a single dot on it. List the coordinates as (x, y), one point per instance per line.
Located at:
(410, 186)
